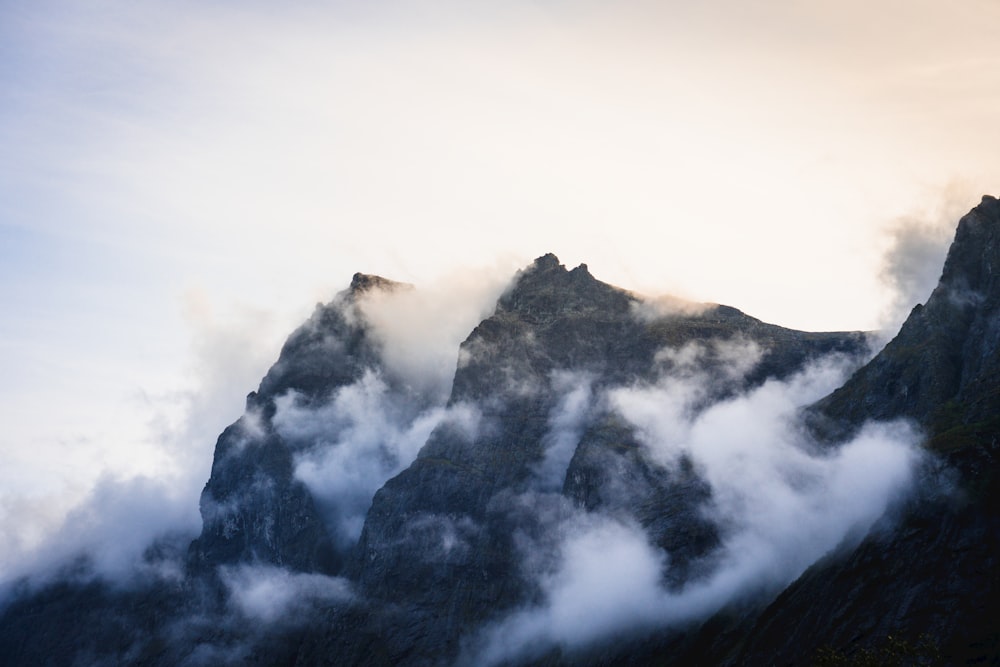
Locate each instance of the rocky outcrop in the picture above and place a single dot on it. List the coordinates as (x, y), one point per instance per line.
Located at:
(931, 575)
(442, 534)
(253, 508)
(942, 369)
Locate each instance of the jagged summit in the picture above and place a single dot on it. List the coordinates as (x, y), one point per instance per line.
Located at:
(546, 261)
(972, 268)
(549, 264)
(362, 283)
(942, 368)
(546, 290)
(393, 528)
(934, 577)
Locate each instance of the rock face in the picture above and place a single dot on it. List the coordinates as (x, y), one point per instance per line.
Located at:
(934, 578)
(253, 508)
(942, 369)
(428, 522)
(442, 534)
(926, 584)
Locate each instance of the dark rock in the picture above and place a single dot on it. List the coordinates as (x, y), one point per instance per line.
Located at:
(550, 320)
(930, 574)
(440, 551)
(253, 508)
(942, 369)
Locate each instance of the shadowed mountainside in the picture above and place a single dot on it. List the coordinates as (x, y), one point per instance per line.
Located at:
(406, 549)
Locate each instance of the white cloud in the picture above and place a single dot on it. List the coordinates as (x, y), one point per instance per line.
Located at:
(273, 595)
(266, 155)
(917, 245)
(780, 501)
(420, 329)
(650, 309)
(566, 423)
(608, 584)
(113, 511)
(107, 535)
(349, 446)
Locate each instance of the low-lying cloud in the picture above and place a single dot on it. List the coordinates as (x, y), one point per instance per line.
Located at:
(918, 245)
(779, 500)
(650, 309)
(350, 445)
(420, 329)
(270, 595)
(566, 423)
(111, 521)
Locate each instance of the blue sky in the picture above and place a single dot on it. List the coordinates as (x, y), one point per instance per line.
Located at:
(181, 182)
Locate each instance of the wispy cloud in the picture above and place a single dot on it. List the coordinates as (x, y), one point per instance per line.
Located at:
(918, 243)
(263, 155)
(779, 502)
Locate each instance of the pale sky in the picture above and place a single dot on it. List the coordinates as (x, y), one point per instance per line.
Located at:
(180, 182)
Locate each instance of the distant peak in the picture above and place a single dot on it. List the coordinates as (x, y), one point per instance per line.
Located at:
(987, 209)
(546, 261)
(974, 256)
(365, 282)
(987, 212)
(545, 290)
(549, 263)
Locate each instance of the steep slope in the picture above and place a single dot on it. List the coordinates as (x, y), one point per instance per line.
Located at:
(932, 576)
(942, 369)
(319, 487)
(445, 537)
(253, 508)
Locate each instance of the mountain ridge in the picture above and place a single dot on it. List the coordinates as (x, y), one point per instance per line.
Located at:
(411, 529)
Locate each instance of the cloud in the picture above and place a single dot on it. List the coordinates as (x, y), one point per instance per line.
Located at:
(109, 517)
(239, 614)
(691, 376)
(650, 309)
(126, 531)
(420, 329)
(917, 246)
(438, 538)
(274, 595)
(349, 446)
(608, 583)
(779, 500)
(566, 423)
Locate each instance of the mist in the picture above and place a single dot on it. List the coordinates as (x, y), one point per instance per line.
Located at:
(271, 595)
(356, 442)
(104, 523)
(912, 261)
(179, 183)
(780, 500)
(419, 330)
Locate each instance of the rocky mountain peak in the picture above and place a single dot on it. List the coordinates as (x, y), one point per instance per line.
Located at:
(546, 261)
(974, 258)
(362, 283)
(942, 366)
(448, 521)
(546, 290)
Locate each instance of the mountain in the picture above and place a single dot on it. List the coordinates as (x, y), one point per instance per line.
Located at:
(609, 479)
(934, 576)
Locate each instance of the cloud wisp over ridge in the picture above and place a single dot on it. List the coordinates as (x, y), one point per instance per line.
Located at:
(776, 499)
(780, 503)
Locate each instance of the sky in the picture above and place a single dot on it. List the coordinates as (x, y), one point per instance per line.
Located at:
(180, 183)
